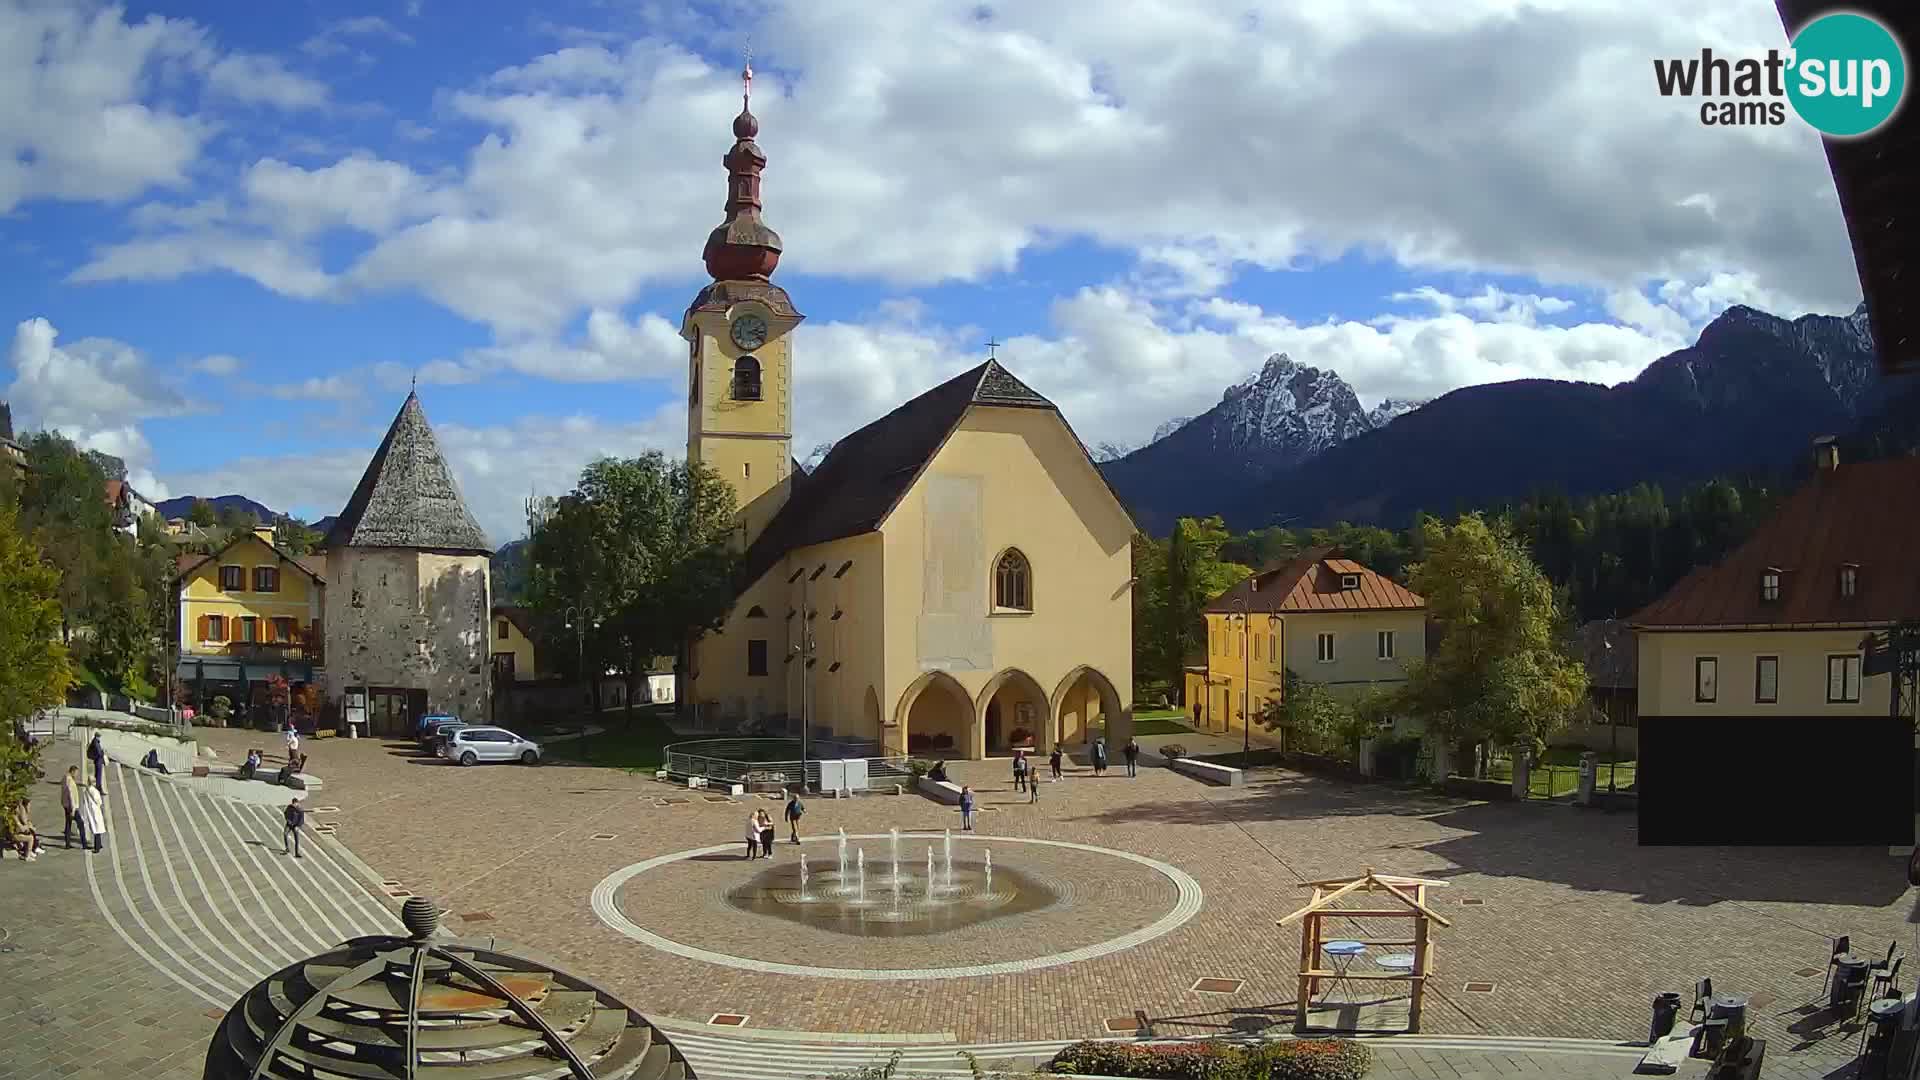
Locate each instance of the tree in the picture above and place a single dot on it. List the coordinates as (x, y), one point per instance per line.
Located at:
(1501, 674)
(646, 546)
(202, 514)
(295, 537)
(33, 663)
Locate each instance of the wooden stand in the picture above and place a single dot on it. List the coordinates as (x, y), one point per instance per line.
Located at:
(1411, 897)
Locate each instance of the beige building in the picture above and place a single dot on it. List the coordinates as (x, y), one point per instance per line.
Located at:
(1326, 619)
(1776, 627)
(953, 580)
(407, 609)
(514, 657)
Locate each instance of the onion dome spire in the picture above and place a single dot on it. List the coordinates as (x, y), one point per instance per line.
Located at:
(743, 247)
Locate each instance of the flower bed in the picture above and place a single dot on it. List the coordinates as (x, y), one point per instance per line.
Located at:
(1292, 1059)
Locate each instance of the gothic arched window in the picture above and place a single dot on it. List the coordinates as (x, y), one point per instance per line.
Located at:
(746, 379)
(1012, 583)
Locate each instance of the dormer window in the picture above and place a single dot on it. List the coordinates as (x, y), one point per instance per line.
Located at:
(1770, 585)
(1849, 579)
(1349, 582)
(746, 379)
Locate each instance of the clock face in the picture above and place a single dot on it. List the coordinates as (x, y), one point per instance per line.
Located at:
(749, 331)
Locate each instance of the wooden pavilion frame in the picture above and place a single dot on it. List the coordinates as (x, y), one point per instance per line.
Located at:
(1409, 893)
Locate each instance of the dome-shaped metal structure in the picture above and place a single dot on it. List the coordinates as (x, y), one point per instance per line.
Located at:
(398, 1008)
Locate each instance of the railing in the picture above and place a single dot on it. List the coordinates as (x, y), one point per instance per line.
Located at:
(752, 762)
(272, 652)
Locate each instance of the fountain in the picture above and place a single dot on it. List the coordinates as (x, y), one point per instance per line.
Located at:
(929, 871)
(948, 844)
(803, 877)
(843, 854)
(989, 869)
(893, 842)
(863, 874)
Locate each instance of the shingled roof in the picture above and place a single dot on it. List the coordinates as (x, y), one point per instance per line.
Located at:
(867, 473)
(1875, 177)
(1865, 515)
(1311, 582)
(408, 497)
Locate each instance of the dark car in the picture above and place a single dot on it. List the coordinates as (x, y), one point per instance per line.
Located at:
(431, 734)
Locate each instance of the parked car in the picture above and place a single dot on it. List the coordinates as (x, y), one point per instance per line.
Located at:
(431, 738)
(422, 726)
(469, 745)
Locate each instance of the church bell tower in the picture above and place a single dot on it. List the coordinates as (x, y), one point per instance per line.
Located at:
(739, 333)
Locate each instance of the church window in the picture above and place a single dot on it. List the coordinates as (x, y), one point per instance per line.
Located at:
(1013, 583)
(746, 379)
(757, 656)
(756, 612)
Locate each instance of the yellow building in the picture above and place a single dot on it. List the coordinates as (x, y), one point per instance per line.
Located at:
(954, 579)
(1775, 628)
(248, 612)
(514, 656)
(1327, 619)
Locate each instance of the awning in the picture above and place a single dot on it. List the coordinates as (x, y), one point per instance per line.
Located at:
(195, 668)
(220, 670)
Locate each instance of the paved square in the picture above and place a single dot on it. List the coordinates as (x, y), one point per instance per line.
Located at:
(1574, 926)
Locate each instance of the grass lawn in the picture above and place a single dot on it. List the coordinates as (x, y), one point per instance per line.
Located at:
(1559, 774)
(639, 745)
(1159, 725)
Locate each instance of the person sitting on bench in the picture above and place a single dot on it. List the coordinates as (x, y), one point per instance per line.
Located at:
(251, 765)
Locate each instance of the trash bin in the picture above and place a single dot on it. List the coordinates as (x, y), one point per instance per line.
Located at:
(1731, 1008)
(1666, 1009)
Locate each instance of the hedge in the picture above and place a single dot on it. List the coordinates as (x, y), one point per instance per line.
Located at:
(1293, 1059)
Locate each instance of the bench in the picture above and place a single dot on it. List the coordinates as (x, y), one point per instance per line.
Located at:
(1207, 771)
(945, 791)
(264, 774)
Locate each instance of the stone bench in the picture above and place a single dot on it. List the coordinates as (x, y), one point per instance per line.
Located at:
(1224, 775)
(945, 791)
(264, 775)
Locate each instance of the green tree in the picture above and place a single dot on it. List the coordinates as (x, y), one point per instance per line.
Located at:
(202, 514)
(1501, 674)
(1156, 648)
(295, 537)
(33, 662)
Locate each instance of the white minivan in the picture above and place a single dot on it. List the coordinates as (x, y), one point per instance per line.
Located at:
(470, 745)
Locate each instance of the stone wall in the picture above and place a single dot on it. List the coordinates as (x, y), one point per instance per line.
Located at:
(409, 619)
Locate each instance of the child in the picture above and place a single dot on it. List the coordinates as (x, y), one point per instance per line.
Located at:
(966, 809)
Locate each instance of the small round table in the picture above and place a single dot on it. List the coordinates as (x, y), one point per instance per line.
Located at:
(1396, 961)
(1342, 954)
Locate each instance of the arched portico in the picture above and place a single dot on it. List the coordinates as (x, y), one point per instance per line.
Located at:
(1086, 707)
(936, 718)
(1012, 711)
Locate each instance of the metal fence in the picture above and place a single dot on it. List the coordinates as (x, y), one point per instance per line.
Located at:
(774, 762)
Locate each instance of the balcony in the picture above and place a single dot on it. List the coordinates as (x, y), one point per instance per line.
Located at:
(259, 652)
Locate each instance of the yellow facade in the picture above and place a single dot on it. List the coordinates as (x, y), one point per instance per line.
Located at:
(510, 639)
(908, 648)
(251, 600)
(747, 440)
(1806, 671)
(1256, 654)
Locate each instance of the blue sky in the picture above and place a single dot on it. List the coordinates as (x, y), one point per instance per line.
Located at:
(236, 232)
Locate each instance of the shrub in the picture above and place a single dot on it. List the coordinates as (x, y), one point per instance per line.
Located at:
(222, 707)
(1291, 1059)
(1172, 751)
(918, 767)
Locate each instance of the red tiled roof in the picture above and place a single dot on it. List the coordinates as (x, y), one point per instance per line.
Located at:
(1866, 514)
(314, 566)
(1311, 582)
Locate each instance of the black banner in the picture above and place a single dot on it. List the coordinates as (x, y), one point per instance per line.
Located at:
(1745, 780)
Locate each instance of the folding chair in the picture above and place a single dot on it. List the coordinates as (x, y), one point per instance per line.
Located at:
(1842, 945)
(1886, 983)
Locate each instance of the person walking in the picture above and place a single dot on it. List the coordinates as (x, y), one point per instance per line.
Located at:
(293, 741)
(290, 836)
(1100, 756)
(795, 808)
(1019, 771)
(753, 835)
(1131, 752)
(1053, 761)
(966, 809)
(70, 804)
(97, 754)
(1033, 787)
(93, 813)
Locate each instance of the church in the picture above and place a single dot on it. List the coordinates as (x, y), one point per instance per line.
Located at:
(954, 580)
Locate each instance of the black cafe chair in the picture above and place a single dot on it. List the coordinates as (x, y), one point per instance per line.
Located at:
(1842, 945)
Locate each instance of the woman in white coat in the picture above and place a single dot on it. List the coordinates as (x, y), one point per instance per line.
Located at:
(93, 813)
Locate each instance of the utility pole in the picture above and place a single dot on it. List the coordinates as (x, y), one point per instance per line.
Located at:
(1613, 687)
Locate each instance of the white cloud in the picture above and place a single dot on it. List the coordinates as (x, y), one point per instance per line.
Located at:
(262, 80)
(1526, 140)
(93, 391)
(219, 364)
(317, 388)
(332, 38)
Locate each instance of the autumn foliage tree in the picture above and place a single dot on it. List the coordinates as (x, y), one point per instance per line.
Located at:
(33, 662)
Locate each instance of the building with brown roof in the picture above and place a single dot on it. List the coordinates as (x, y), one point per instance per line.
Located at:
(952, 579)
(1777, 626)
(248, 612)
(1323, 617)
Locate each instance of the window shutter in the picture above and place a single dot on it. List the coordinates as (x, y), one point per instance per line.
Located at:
(204, 629)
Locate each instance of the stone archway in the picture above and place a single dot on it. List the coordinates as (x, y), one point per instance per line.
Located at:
(936, 718)
(870, 716)
(1087, 707)
(1012, 710)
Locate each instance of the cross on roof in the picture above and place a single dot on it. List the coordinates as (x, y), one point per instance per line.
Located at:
(991, 346)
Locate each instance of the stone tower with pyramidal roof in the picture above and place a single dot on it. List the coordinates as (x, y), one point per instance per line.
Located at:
(408, 602)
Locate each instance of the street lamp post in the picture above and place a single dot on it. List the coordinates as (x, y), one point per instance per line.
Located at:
(804, 649)
(1613, 686)
(577, 618)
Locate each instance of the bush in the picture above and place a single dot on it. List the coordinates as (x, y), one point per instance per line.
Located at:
(222, 707)
(1292, 1059)
(1172, 751)
(918, 767)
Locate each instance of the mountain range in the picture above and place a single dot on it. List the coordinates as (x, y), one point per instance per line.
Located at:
(1294, 446)
(182, 505)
